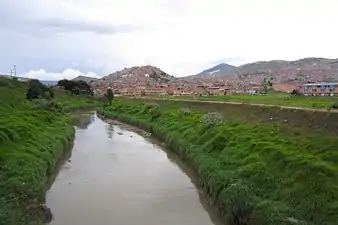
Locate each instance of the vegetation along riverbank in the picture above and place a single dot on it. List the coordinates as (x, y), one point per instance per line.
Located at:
(256, 173)
(35, 131)
(272, 99)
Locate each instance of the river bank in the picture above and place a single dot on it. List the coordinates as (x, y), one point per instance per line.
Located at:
(127, 177)
(305, 120)
(256, 173)
(33, 138)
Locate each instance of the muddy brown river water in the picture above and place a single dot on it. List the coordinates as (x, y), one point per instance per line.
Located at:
(117, 176)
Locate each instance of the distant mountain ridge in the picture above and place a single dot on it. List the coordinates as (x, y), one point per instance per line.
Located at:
(220, 69)
(84, 78)
(299, 71)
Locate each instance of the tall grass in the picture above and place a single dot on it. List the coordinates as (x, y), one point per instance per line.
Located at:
(256, 173)
(32, 139)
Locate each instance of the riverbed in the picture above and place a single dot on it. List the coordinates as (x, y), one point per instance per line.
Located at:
(118, 175)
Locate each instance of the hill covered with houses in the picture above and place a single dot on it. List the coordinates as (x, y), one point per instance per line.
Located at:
(150, 80)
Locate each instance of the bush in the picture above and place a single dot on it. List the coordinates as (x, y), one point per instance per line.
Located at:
(49, 105)
(212, 119)
(185, 111)
(334, 105)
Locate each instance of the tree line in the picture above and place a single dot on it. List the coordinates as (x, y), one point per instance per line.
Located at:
(36, 89)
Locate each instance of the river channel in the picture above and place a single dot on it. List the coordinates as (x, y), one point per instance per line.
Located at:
(117, 175)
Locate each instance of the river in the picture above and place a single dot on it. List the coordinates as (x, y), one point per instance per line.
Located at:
(119, 176)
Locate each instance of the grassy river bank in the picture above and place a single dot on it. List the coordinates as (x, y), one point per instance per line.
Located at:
(33, 137)
(256, 173)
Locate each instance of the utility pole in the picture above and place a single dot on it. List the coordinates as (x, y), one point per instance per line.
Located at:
(14, 68)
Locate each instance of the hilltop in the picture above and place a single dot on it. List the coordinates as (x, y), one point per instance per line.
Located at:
(279, 71)
(220, 69)
(299, 71)
(84, 78)
(131, 77)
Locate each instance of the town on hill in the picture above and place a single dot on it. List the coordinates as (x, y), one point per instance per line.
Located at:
(309, 76)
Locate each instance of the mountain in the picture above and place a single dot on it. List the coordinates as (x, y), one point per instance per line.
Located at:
(220, 69)
(146, 76)
(84, 78)
(277, 71)
(298, 71)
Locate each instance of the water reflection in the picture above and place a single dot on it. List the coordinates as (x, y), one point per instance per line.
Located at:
(82, 121)
(110, 131)
(104, 178)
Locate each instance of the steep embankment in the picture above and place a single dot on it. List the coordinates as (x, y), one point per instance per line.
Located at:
(33, 136)
(305, 120)
(256, 173)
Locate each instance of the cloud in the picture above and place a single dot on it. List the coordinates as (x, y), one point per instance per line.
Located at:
(63, 25)
(66, 74)
(180, 37)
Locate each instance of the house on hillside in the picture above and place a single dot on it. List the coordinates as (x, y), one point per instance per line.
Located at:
(320, 89)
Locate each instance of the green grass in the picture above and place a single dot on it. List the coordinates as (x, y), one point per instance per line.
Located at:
(32, 139)
(270, 99)
(69, 103)
(262, 173)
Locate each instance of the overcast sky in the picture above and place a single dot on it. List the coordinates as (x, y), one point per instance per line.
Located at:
(53, 39)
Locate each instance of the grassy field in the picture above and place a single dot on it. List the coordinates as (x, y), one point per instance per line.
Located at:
(272, 99)
(256, 173)
(33, 136)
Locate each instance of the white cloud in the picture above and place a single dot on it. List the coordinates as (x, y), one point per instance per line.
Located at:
(66, 74)
(181, 37)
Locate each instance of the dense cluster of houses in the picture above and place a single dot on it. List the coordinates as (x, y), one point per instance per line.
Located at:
(311, 89)
(162, 90)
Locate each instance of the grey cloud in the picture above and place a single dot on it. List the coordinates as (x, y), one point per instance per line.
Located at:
(35, 21)
(64, 25)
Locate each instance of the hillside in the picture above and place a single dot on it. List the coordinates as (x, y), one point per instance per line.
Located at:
(279, 71)
(33, 136)
(299, 71)
(131, 77)
(220, 69)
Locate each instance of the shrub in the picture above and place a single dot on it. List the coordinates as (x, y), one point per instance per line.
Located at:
(109, 95)
(34, 90)
(334, 105)
(48, 105)
(212, 119)
(185, 111)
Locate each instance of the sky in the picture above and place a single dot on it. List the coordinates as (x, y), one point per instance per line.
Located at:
(58, 39)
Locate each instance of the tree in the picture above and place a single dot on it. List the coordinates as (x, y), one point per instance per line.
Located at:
(264, 86)
(35, 89)
(110, 95)
(76, 87)
(51, 92)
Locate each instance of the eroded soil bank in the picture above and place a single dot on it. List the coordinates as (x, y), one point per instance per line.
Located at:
(116, 175)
